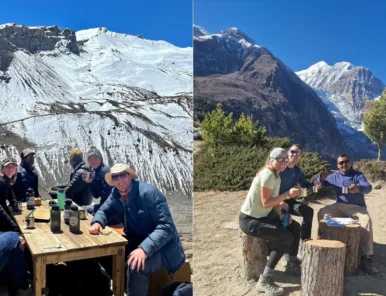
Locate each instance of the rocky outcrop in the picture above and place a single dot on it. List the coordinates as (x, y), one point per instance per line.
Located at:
(36, 39)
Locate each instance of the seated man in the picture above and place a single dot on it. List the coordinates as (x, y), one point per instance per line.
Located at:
(77, 189)
(27, 176)
(351, 204)
(291, 176)
(152, 235)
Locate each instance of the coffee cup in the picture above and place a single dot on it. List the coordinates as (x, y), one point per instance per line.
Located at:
(344, 189)
(82, 214)
(303, 192)
(87, 175)
(30, 222)
(315, 189)
(19, 205)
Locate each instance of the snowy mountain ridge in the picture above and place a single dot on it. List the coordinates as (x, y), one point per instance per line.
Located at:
(128, 96)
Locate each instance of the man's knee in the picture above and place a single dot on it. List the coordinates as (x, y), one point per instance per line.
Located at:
(364, 220)
(10, 239)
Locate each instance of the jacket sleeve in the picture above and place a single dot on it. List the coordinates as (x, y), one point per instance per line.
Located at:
(76, 184)
(161, 216)
(364, 186)
(6, 222)
(106, 211)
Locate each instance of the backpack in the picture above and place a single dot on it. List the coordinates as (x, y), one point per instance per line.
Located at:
(178, 289)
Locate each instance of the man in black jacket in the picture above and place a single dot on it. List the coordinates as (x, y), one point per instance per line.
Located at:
(78, 190)
(27, 176)
(99, 187)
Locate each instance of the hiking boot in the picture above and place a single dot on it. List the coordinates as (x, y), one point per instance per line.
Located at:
(285, 259)
(266, 285)
(367, 265)
(293, 269)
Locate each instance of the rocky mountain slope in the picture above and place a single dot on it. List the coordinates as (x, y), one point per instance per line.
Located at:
(130, 97)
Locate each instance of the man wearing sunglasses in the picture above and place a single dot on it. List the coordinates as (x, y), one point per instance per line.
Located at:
(291, 176)
(351, 204)
(148, 225)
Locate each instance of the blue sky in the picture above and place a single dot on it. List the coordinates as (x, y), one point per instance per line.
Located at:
(304, 32)
(169, 20)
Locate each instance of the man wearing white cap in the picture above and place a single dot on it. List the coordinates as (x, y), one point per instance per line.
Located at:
(148, 225)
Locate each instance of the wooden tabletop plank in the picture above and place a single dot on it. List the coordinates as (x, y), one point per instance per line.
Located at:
(41, 240)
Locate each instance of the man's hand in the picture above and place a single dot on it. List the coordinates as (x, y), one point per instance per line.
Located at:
(353, 188)
(96, 228)
(22, 243)
(284, 206)
(294, 192)
(318, 184)
(86, 180)
(137, 257)
(324, 174)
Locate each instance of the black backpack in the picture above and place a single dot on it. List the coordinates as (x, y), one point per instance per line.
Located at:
(178, 289)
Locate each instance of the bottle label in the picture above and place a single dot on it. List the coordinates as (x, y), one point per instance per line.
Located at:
(73, 221)
(67, 214)
(31, 201)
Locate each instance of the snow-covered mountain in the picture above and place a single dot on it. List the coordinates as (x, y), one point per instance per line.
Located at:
(232, 69)
(128, 96)
(345, 89)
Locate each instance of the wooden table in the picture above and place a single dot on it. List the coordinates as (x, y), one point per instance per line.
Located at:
(43, 245)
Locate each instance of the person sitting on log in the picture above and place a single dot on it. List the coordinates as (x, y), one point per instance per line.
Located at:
(291, 176)
(261, 217)
(351, 204)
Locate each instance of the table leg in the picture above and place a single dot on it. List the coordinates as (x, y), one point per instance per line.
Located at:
(39, 265)
(119, 272)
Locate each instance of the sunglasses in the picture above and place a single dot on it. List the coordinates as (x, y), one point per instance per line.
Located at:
(122, 175)
(281, 159)
(344, 162)
(296, 152)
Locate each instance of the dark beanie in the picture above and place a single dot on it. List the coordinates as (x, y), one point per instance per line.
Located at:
(94, 151)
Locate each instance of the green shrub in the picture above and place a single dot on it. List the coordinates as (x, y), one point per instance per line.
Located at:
(375, 171)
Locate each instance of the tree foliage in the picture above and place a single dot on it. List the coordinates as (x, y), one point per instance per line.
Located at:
(218, 129)
(375, 122)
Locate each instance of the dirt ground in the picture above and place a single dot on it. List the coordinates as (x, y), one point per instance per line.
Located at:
(217, 263)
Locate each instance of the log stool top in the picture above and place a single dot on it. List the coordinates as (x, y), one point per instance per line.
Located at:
(325, 243)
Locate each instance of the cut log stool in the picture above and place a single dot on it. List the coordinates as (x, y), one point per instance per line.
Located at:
(350, 235)
(255, 252)
(323, 268)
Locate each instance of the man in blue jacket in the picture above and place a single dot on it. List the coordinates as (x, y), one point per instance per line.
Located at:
(351, 204)
(147, 220)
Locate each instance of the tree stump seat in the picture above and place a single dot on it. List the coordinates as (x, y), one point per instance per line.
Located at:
(255, 252)
(350, 235)
(323, 268)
